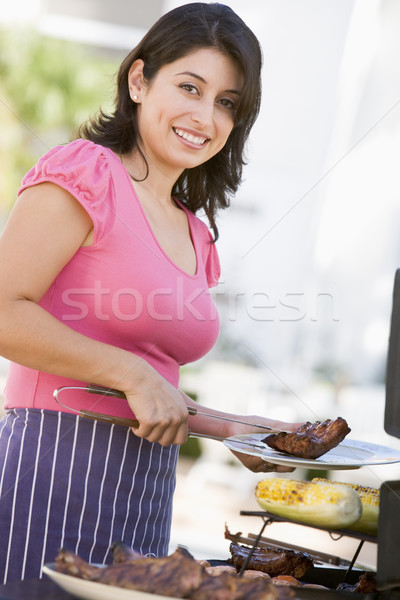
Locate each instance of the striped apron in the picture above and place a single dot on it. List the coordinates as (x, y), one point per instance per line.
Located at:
(81, 485)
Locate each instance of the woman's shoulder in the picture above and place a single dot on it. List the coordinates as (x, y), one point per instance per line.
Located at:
(81, 166)
(83, 169)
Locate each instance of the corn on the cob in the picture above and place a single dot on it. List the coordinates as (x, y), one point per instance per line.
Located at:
(369, 496)
(320, 504)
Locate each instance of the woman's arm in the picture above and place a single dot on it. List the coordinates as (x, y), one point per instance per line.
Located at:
(46, 228)
(224, 429)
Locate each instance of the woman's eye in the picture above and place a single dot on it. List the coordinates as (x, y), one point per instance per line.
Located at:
(227, 103)
(189, 87)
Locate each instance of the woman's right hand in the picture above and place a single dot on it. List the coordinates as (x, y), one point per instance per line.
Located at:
(158, 406)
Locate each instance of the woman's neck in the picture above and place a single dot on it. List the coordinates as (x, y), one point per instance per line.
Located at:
(156, 181)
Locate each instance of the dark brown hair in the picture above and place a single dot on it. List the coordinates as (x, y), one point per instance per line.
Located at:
(176, 34)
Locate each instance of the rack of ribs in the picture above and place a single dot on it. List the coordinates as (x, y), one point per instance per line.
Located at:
(273, 561)
(311, 440)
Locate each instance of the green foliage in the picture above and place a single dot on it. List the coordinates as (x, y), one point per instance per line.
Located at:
(191, 448)
(47, 88)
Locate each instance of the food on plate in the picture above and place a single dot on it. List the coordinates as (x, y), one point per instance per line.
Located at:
(311, 440)
(273, 561)
(178, 575)
(175, 575)
(285, 580)
(218, 569)
(327, 505)
(203, 562)
(252, 574)
(369, 496)
(288, 580)
(122, 553)
(232, 587)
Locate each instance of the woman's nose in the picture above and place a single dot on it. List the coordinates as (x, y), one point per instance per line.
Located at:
(203, 112)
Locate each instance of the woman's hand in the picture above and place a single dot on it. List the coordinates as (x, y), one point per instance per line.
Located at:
(158, 406)
(256, 463)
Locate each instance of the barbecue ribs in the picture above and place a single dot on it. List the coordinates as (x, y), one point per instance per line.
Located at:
(311, 440)
(273, 561)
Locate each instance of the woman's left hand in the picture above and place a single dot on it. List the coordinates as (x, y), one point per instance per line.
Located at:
(255, 463)
(258, 465)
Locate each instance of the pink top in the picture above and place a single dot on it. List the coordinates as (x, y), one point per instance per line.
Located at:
(123, 289)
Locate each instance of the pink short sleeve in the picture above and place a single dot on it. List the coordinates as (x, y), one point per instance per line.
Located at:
(82, 168)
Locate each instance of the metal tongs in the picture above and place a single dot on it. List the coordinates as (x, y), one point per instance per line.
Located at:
(104, 391)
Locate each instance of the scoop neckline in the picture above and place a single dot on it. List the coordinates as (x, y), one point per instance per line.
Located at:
(189, 217)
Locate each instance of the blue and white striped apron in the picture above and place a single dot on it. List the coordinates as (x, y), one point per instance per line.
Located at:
(78, 484)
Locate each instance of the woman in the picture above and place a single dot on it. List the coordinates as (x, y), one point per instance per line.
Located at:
(104, 279)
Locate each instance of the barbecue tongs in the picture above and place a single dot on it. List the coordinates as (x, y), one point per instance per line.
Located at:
(103, 391)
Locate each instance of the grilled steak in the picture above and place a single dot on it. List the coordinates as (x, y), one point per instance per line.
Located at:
(271, 560)
(178, 575)
(231, 587)
(122, 553)
(175, 575)
(311, 440)
(71, 564)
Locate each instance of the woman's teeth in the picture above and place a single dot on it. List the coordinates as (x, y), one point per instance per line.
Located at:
(190, 138)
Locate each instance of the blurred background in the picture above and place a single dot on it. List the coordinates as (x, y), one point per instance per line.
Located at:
(310, 244)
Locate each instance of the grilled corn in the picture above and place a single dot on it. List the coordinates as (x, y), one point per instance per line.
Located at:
(312, 503)
(368, 522)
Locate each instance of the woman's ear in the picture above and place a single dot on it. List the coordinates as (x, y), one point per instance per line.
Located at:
(135, 80)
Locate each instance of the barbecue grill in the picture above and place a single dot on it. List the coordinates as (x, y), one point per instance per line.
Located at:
(333, 570)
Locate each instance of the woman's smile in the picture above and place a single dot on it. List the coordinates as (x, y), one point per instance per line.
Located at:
(191, 138)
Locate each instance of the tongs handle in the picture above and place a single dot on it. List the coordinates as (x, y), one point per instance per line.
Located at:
(104, 391)
(88, 414)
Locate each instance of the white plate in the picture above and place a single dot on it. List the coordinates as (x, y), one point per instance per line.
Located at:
(350, 454)
(92, 590)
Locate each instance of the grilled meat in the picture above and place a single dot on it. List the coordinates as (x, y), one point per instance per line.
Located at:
(231, 587)
(217, 587)
(71, 564)
(271, 560)
(259, 589)
(311, 440)
(177, 575)
(122, 553)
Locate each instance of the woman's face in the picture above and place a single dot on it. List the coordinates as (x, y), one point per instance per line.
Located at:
(187, 112)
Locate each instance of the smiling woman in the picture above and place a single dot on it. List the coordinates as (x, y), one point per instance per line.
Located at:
(105, 273)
